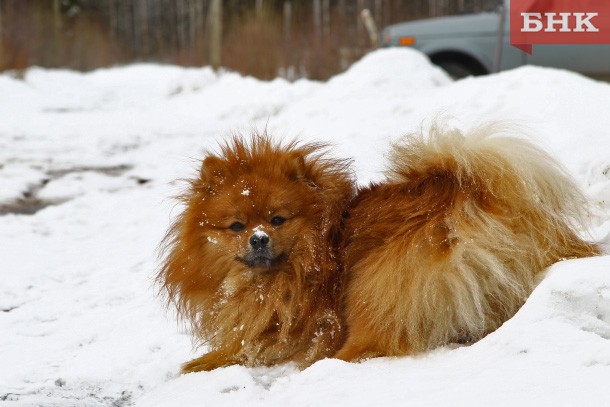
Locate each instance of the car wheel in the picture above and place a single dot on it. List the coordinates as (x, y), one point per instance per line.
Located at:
(457, 64)
(457, 70)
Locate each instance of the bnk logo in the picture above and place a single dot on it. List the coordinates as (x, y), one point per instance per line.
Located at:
(532, 22)
(559, 22)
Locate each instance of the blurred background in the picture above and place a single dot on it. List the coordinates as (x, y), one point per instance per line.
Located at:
(264, 38)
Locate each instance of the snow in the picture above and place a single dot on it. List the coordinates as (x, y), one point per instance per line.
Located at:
(80, 321)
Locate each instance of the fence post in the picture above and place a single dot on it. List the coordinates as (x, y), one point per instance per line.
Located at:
(215, 49)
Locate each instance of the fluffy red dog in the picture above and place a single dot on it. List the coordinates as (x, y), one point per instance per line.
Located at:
(267, 269)
(252, 261)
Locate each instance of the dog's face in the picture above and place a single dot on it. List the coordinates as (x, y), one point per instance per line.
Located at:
(256, 221)
(263, 215)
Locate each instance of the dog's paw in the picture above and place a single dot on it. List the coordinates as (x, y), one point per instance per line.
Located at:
(205, 363)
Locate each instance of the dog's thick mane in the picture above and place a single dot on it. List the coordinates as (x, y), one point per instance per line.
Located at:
(261, 319)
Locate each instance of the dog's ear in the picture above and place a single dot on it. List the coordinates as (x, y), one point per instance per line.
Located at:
(213, 170)
(296, 167)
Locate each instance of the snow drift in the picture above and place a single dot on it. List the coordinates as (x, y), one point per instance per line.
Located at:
(95, 159)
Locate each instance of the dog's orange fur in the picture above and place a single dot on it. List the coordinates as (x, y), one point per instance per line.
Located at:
(260, 315)
(445, 250)
(452, 244)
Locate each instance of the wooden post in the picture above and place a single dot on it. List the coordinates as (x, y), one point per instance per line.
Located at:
(215, 15)
(371, 27)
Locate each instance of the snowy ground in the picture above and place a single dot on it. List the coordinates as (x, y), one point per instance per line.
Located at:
(79, 320)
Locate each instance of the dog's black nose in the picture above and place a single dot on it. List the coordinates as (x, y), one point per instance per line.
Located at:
(259, 240)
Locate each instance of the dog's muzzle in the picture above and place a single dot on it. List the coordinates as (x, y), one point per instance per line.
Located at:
(260, 253)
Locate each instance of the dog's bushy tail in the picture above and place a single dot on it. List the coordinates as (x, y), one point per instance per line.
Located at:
(493, 174)
(495, 212)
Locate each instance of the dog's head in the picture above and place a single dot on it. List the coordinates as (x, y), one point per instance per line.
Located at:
(257, 213)
(267, 206)
(256, 248)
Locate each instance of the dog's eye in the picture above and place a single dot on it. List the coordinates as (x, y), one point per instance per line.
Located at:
(237, 226)
(277, 220)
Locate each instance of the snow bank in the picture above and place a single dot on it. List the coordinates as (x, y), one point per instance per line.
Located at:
(555, 351)
(104, 151)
